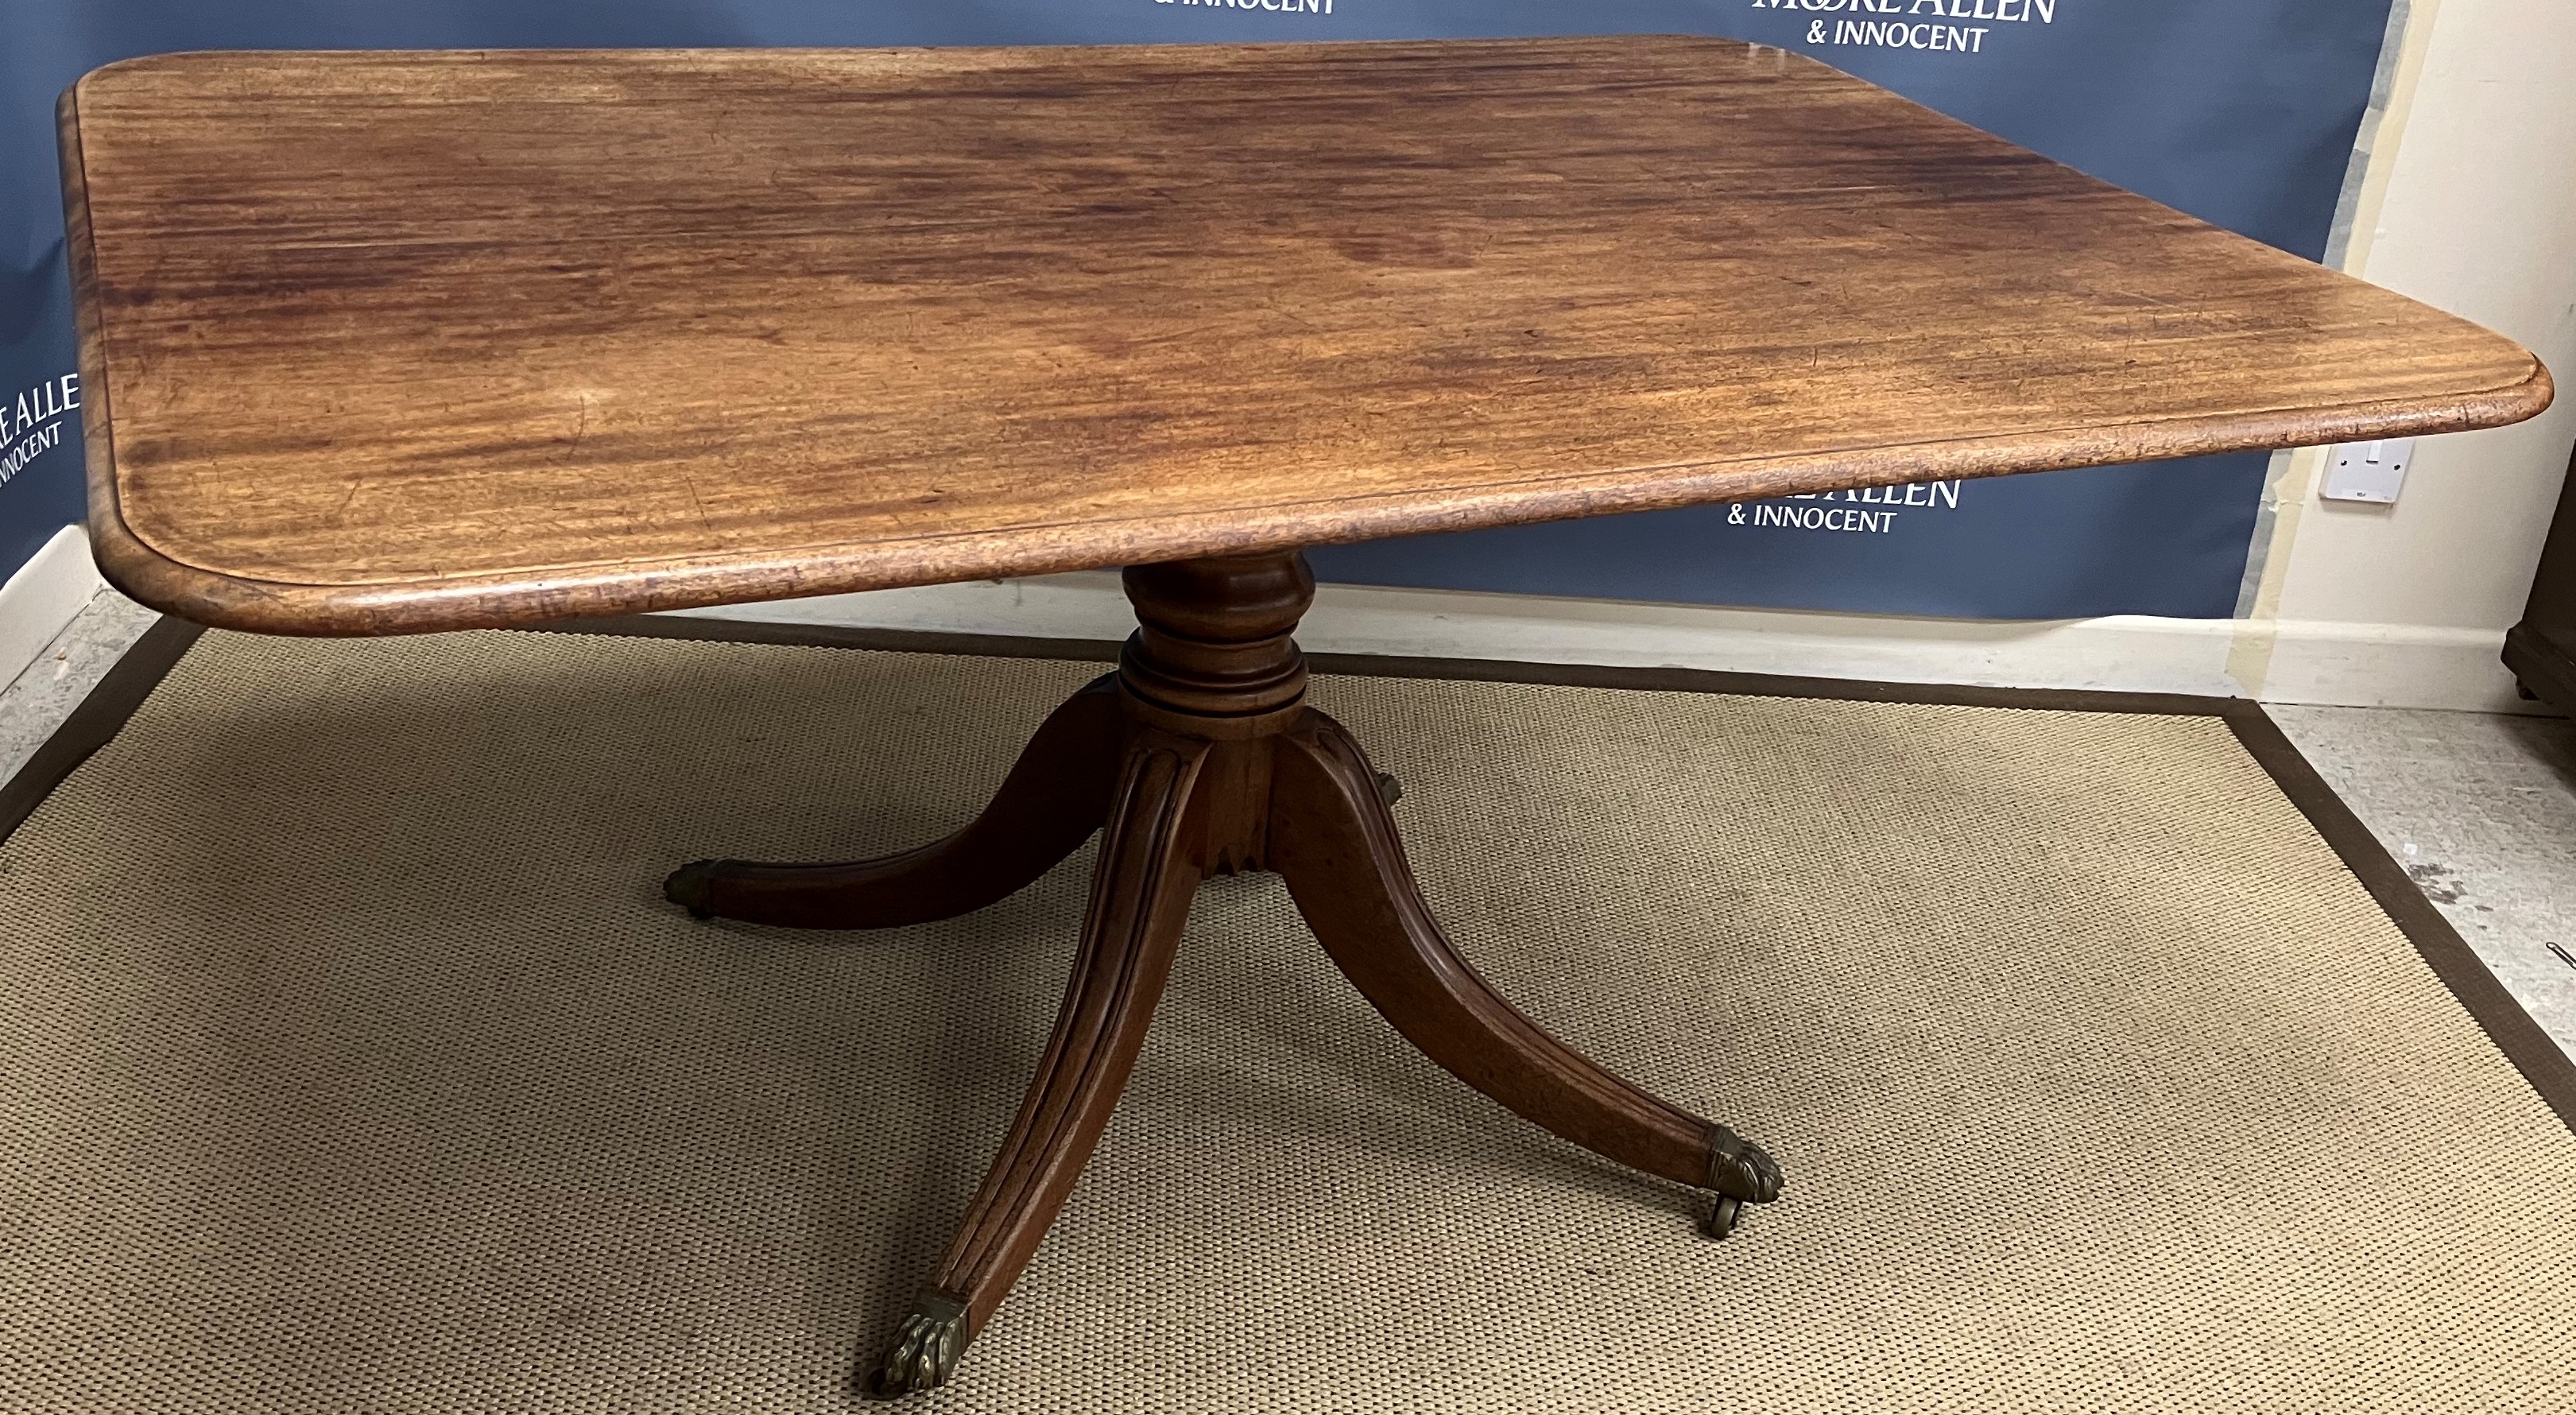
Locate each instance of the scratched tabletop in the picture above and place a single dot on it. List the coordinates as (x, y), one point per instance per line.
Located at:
(382, 342)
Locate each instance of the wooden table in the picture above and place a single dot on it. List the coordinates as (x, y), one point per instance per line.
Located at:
(383, 343)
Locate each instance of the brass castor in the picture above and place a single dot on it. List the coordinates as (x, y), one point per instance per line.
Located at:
(1722, 1216)
(1740, 1172)
(924, 1352)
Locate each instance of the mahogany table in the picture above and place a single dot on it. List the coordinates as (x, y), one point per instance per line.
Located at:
(385, 343)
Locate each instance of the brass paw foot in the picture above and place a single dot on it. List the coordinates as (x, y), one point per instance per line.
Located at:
(1738, 1168)
(688, 887)
(1742, 1174)
(925, 1349)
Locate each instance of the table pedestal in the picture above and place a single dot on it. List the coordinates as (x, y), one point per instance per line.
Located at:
(1200, 757)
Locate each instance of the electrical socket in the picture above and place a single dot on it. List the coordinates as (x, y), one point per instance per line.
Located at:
(2368, 471)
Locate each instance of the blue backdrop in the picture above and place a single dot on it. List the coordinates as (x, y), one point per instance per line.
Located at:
(2241, 112)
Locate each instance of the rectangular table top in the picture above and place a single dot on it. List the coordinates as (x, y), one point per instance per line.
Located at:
(378, 342)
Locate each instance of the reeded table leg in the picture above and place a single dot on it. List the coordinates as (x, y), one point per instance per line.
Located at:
(1332, 839)
(1202, 757)
(1053, 799)
(1140, 895)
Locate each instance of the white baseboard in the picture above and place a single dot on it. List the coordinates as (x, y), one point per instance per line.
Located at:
(2293, 661)
(40, 600)
(2388, 665)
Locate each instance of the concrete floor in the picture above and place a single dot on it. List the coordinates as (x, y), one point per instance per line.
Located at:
(34, 705)
(2480, 809)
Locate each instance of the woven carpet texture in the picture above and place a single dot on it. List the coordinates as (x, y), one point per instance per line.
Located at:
(350, 1062)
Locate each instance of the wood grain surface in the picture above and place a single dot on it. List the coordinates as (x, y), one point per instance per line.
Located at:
(388, 342)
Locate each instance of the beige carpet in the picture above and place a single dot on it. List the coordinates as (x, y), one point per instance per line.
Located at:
(349, 1063)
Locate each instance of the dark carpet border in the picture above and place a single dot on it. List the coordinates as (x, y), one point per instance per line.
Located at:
(2549, 1070)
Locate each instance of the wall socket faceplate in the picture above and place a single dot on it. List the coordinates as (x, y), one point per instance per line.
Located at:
(2367, 471)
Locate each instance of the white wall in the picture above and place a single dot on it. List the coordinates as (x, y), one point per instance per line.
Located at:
(2475, 213)
(2467, 200)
